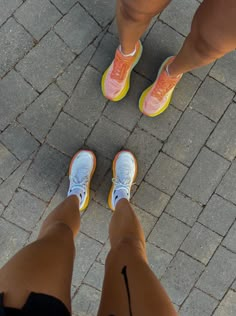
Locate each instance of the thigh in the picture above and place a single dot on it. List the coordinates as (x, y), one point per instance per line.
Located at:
(44, 266)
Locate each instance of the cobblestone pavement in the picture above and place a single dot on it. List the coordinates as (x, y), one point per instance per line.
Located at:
(52, 55)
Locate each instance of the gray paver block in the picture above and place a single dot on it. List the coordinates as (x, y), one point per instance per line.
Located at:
(95, 222)
(64, 5)
(104, 252)
(1, 209)
(161, 126)
(224, 70)
(219, 273)
(86, 301)
(45, 173)
(146, 220)
(204, 175)
(72, 134)
(15, 42)
(45, 61)
(7, 8)
(158, 259)
(150, 199)
(95, 276)
(183, 208)
(145, 148)
(227, 307)
(45, 109)
(19, 141)
(202, 72)
(234, 286)
(223, 139)
(101, 194)
(8, 163)
(9, 186)
(103, 11)
(24, 210)
(12, 240)
(227, 186)
(212, 99)
(103, 165)
(180, 277)
(166, 174)
(180, 16)
(168, 233)
(77, 29)
(230, 239)
(37, 17)
(198, 303)
(16, 94)
(201, 243)
(69, 78)
(218, 215)
(188, 137)
(107, 138)
(87, 102)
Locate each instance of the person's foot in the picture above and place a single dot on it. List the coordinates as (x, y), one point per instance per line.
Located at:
(81, 170)
(124, 173)
(156, 98)
(116, 79)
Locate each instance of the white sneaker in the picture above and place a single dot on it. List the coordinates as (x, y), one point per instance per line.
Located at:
(82, 168)
(124, 169)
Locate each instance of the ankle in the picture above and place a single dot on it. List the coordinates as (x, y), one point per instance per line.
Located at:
(171, 73)
(127, 52)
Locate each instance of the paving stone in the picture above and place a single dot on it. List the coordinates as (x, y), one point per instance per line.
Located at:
(69, 78)
(45, 61)
(103, 254)
(87, 102)
(103, 165)
(168, 233)
(219, 273)
(77, 29)
(166, 174)
(87, 250)
(218, 215)
(95, 276)
(1, 208)
(157, 48)
(183, 208)
(126, 112)
(96, 222)
(180, 16)
(64, 5)
(227, 186)
(223, 140)
(37, 17)
(16, 94)
(150, 199)
(146, 220)
(202, 72)
(161, 126)
(8, 163)
(234, 286)
(198, 303)
(204, 175)
(184, 91)
(107, 138)
(45, 173)
(19, 141)
(101, 194)
(72, 134)
(180, 277)
(212, 99)
(45, 109)
(86, 301)
(145, 148)
(9, 186)
(227, 307)
(103, 11)
(24, 210)
(15, 42)
(12, 239)
(230, 239)
(201, 243)
(224, 70)
(7, 8)
(158, 259)
(188, 137)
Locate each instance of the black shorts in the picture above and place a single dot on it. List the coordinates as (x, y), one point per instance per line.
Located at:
(36, 305)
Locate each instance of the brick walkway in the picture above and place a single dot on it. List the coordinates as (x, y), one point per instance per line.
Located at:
(52, 55)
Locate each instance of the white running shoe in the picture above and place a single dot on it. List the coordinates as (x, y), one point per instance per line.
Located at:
(82, 168)
(124, 169)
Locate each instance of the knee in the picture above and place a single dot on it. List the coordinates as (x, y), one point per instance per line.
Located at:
(130, 12)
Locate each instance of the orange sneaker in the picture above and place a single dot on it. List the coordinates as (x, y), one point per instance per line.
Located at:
(156, 98)
(116, 79)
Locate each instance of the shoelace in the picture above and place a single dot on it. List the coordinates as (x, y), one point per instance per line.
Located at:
(120, 68)
(80, 183)
(164, 85)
